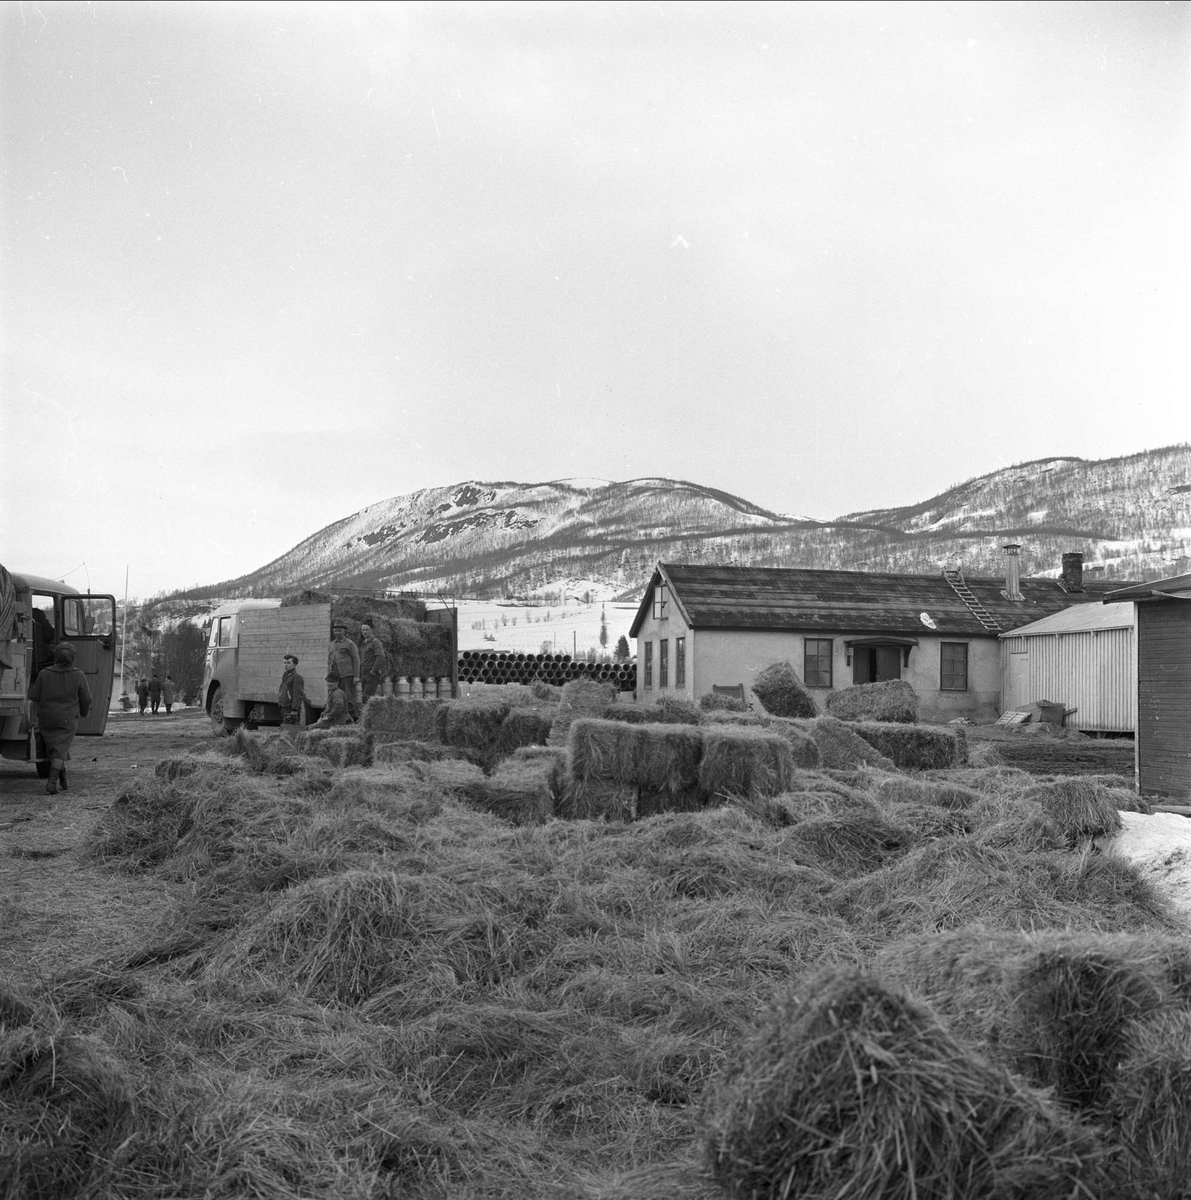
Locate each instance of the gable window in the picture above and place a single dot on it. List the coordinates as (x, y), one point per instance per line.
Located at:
(816, 662)
(680, 662)
(661, 603)
(953, 667)
(649, 664)
(664, 663)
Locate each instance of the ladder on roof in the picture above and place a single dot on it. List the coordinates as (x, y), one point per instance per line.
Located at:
(955, 577)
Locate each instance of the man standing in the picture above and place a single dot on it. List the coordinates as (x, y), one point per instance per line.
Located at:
(155, 693)
(142, 695)
(343, 661)
(291, 693)
(167, 694)
(374, 662)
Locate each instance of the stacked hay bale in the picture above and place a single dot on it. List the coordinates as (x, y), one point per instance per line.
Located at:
(841, 747)
(916, 747)
(580, 698)
(894, 700)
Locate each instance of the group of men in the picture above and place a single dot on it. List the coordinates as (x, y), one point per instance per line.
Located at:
(346, 663)
(155, 692)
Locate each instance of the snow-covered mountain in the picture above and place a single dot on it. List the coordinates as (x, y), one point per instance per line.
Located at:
(1130, 517)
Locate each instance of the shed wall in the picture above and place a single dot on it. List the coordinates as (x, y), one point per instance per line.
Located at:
(1091, 671)
(1164, 698)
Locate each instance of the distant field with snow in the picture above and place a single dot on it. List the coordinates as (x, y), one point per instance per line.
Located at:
(570, 628)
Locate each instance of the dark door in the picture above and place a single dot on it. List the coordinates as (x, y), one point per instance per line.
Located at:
(889, 663)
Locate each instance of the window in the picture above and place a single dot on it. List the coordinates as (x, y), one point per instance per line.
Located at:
(661, 602)
(664, 663)
(953, 667)
(680, 662)
(224, 632)
(816, 662)
(648, 664)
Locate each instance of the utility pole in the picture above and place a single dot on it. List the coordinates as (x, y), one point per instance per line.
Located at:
(124, 630)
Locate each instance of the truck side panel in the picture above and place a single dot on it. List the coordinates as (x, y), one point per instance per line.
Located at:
(266, 635)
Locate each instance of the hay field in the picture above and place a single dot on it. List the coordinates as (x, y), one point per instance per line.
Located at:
(366, 984)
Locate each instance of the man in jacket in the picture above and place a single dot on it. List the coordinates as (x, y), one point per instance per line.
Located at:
(343, 661)
(374, 662)
(58, 698)
(291, 693)
(155, 693)
(142, 694)
(336, 711)
(167, 694)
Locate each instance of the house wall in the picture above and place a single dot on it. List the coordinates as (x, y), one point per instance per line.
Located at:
(733, 656)
(1092, 671)
(1164, 699)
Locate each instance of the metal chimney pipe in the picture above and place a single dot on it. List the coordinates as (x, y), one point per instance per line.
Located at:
(1013, 571)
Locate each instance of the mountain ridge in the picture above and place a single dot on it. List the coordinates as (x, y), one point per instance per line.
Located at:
(1130, 516)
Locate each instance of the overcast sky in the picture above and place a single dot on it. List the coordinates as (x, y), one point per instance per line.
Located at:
(265, 264)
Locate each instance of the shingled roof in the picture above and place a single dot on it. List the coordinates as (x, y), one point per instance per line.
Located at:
(713, 597)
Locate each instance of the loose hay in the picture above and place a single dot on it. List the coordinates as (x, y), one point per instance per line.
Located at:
(384, 753)
(849, 843)
(894, 700)
(781, 691)
(1079, 809)
(854, 1089)
(901, 789)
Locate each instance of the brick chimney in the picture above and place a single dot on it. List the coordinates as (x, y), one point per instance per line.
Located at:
(1072, 576)
(1013, 571)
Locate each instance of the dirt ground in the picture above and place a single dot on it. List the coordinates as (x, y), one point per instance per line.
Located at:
(56, 910)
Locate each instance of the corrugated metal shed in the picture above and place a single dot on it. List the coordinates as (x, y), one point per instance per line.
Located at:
(1083, 658)
(716, 597)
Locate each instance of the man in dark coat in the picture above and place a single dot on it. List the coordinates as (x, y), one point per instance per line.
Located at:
(155, 692)
(336, 712)
(291, 693)
(343, 661)
(167, 694)
(58, 698)
(374, 662)
(142, 695)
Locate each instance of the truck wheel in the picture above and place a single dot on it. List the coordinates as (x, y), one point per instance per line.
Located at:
(219, 723)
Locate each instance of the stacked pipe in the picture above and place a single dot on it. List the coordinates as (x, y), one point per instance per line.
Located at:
(504, 666)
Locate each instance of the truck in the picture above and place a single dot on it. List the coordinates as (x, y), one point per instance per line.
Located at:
(249, 639)
(36, 614)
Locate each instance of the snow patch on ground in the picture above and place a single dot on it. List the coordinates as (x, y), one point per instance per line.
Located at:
(1160, 847)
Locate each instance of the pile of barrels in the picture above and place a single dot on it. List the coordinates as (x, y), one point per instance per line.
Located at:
(502, 666)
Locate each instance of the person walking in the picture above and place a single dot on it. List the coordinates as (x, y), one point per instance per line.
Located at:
(374, 662)
(336, 712)
(291, 693)
(343, 661)
(167, 694)
(58, 698)
(142, 694)
(154, 693)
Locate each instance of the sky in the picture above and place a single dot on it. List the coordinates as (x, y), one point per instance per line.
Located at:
(265, 264)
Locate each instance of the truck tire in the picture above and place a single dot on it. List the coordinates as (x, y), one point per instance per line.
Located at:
(219, 723)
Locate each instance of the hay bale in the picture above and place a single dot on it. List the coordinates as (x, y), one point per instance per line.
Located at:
(633, 714)
(667, 769)
(1149, 1107)
(523, 726)
(521, 792)
(473, 723)
(840, 746)
(545, 693)
(1080, 810)
(66, 1103)
(596, 800)
(852, 1088)
(384, 753)
(388, 718)
(306, 596)
(342, 745)
(677, 710)
(916, 747)
(803, 748)
(745, 762)
(781, 691)
(603, 750)
(580, 698)
(894, 700)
